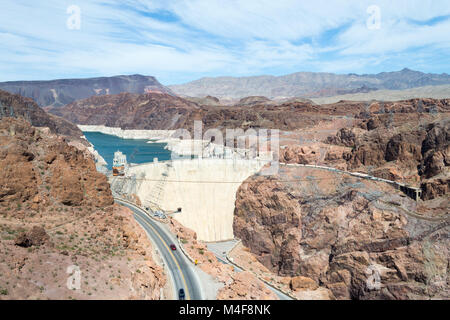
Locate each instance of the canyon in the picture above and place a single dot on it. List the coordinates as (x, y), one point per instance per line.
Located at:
(59, 220)
(316, 233)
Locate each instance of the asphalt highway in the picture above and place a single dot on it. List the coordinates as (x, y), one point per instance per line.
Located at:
(179, 266)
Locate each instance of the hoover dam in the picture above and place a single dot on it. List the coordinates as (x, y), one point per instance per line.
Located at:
(204, 189)
(201, 178)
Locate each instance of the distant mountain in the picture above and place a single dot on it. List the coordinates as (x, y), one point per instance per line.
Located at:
(56, 93)
(435, 92)
(308, 84)
(153, 111)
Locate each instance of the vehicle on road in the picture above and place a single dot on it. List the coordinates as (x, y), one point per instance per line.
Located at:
(172, 246)
(181, 294)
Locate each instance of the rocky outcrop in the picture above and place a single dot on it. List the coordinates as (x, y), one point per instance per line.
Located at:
(36, 237)
(436, 187)
(344, 137)
(58, 217)
(436, 149)
(40, 168)
(156, 111)
(245, 286)
(404, 148)
(248, 101)
(301, 155)
(16, 106)
(302, 283)
(340, 233)
(204, 101)
(402, 142)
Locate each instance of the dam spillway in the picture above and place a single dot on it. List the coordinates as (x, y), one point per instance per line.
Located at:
(205, 190)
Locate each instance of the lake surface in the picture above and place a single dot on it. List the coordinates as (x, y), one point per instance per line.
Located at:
(137, 151)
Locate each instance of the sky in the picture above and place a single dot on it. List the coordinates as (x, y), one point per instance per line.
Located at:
(182, 40)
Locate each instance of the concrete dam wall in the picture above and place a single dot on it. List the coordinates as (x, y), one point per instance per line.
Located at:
(205, 190)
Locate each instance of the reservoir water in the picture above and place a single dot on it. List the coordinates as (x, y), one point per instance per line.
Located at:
(137, 151)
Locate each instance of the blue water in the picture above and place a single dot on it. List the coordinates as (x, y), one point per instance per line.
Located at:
(137, 151)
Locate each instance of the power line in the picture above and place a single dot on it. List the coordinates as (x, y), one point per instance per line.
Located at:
(224, 182)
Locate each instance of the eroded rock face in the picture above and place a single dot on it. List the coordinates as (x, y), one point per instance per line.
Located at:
(156, 111)
(57, 211)
(406, 145)
(336, 233)
(434, 188)
(14, 105)
(302, 283)
(345, 137)
(40, 168)
(298, 154)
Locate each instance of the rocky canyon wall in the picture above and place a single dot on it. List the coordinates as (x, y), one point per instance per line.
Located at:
(336, 231)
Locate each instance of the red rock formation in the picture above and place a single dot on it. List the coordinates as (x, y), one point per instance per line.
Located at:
(409, 148)
(13, 105)
(335, 230)
(57, 211)
(162, 111)
(39, 164)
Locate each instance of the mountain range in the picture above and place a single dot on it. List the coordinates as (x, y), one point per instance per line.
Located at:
(308, 84)
(56, 93)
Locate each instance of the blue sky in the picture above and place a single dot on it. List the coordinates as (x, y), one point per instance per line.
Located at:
(180, 40)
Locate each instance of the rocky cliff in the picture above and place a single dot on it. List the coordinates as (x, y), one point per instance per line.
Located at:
(359, 239)
(406, 141)
(57, 216)
(14, 105)
(130, 111)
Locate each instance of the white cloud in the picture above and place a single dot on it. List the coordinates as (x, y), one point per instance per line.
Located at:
(212, 37)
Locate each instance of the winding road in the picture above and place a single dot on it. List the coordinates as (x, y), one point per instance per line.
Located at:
(181, 270)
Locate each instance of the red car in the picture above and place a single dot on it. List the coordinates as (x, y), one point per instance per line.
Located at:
(172, 246)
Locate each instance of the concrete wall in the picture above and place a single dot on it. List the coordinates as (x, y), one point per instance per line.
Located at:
(128, 134)
(205, 189)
